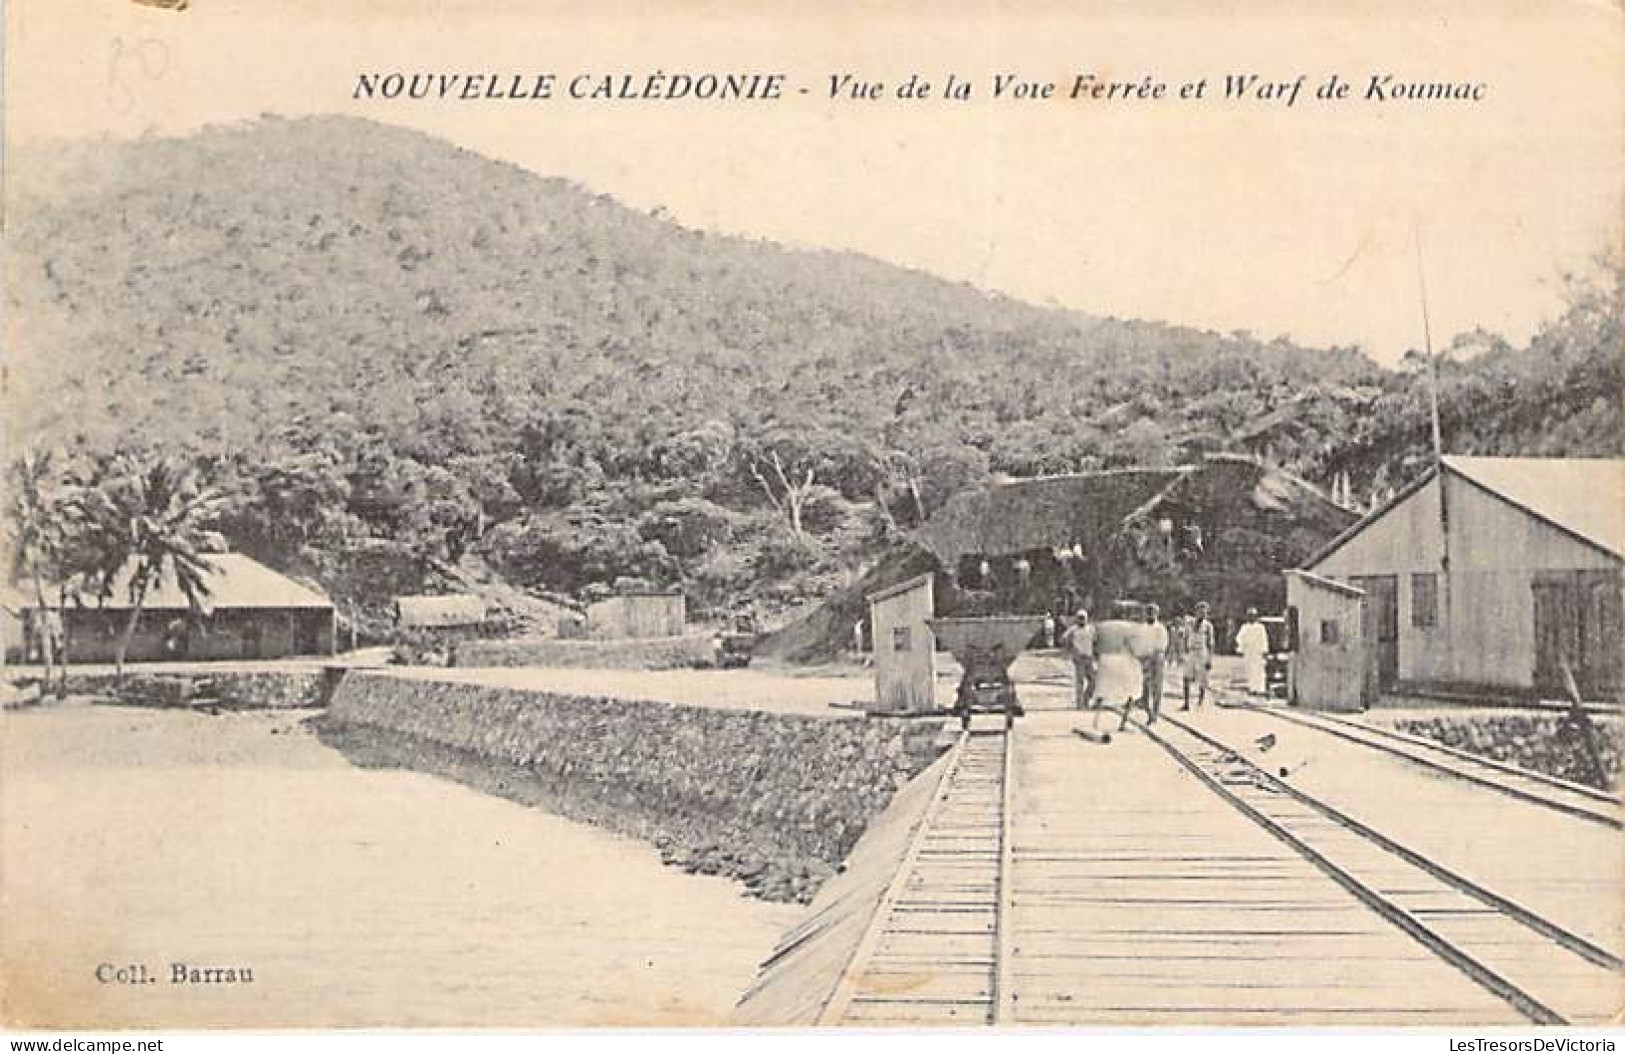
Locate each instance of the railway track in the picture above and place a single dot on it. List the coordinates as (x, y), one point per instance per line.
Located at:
(1573, 799)
(1548, 974)
(936, 952)
(1254, 903)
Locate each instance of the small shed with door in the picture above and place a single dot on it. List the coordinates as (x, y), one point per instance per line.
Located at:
(904, 647)
(1328, 667)
(1493, 575)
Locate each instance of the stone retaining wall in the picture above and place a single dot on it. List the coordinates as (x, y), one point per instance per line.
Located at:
(774, 800)
(647, 653)
(1540, 742)
(227, 689)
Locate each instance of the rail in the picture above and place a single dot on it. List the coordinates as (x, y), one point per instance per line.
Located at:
(1536, 788)
(941, 946)
(1488, 956)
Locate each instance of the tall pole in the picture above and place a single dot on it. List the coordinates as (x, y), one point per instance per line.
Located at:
(1433, 406)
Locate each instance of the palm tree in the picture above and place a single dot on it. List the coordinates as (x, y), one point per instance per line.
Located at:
(149, 522)
(39, 528)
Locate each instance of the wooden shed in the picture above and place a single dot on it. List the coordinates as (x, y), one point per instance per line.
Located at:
(456, 611)
(1220, 531)
(1328, 668)
(637, 614)
(1502, 575)
(904, 648)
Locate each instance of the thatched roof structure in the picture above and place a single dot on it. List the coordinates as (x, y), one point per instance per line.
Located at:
(1088, 509)
(1235, 525)
(1049, 512)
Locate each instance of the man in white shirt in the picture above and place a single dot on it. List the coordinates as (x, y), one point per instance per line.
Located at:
(1253, 642)
(1079, 641)
(1198, 658)
(1117, 665)
(1151, 648)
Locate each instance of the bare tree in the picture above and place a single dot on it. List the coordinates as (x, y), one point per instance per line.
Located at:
(789, 488)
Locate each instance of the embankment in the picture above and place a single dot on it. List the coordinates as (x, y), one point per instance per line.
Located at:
(774, 800)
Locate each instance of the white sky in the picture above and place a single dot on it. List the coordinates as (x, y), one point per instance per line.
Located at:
(1225, 216)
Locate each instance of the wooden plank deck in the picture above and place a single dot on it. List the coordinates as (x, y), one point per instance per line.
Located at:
(798, 981)
(1140, 897)
(934, 954)
(1163, 880)
(1557, 972)
(1563, 867)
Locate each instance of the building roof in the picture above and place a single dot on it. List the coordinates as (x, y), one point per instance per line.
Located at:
(456, 609)
(1584, 497)
(238, 582)
(1323, 582)
(1059, 511)
(899, 588)
(1049, 511)
(638, 594)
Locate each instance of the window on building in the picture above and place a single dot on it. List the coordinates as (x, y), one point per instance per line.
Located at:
(1330, 631)
(899, 638)
(1425, 601)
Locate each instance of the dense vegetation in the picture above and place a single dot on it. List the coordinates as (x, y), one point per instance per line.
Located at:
(398, 355)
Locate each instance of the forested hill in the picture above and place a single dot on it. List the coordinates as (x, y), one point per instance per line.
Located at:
(388, 344)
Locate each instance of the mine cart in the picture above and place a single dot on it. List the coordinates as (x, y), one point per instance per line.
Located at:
(986, 647)
(735, 644)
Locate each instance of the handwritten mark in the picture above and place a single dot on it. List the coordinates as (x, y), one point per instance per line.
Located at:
(130, 64)
(166, 5)
(1359, 250)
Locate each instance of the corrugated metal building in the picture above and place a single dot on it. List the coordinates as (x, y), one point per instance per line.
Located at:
(1496, 574)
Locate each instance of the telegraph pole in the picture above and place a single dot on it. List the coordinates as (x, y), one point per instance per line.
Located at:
(1433, 405)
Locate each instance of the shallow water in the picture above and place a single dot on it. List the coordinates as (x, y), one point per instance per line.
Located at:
(357, 897)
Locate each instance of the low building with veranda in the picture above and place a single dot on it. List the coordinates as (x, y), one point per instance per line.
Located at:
(249, 612)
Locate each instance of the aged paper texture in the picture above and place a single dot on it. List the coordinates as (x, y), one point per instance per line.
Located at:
(528, 515)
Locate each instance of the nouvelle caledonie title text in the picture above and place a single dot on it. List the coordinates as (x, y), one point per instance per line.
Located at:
(768, 87)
